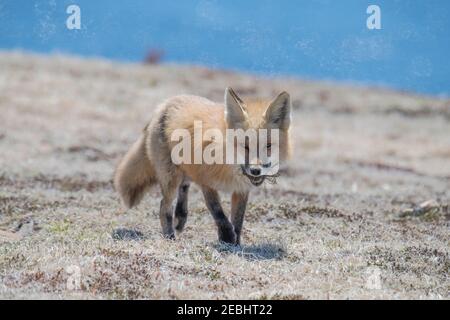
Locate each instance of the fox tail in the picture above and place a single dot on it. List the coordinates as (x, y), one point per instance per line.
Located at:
(135, 174)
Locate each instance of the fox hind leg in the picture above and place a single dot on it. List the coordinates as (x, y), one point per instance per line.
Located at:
(181, 209)
(169, 190)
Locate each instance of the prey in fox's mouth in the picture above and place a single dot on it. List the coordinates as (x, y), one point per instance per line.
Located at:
(253, 176)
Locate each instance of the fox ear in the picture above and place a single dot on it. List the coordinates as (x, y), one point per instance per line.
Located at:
(235, 114)
(278, 114)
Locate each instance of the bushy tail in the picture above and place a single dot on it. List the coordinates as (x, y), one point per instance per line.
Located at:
(134, 174)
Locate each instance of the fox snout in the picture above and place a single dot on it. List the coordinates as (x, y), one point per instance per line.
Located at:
(256, 173)
(259, 169)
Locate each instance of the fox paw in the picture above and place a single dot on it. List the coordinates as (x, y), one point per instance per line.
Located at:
(169, 236)
(179, 224)
(227, 235)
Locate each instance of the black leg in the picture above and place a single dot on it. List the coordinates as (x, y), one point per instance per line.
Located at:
(224, 227)
(238, 205)
(169, 189)
(181, 209)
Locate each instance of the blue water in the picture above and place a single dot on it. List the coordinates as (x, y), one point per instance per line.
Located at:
(322, 39)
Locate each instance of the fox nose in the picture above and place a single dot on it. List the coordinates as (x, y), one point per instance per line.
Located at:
(255, 171)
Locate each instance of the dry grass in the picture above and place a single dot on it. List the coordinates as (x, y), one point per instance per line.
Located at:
(337, 216)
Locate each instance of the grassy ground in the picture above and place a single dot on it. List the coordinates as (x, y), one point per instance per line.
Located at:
(347, 219)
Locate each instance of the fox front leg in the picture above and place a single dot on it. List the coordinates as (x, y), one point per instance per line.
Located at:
(238, 206)
(224, 227)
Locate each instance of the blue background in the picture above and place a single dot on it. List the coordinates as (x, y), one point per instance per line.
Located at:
(322, 39)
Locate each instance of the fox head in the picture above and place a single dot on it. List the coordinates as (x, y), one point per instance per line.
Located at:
(262, 132)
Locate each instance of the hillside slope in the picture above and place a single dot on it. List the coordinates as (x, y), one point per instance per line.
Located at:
(345, 220)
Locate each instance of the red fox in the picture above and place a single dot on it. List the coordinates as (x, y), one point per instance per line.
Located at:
(150, 160)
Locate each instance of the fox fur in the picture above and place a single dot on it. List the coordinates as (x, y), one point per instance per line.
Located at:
(148, 161)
